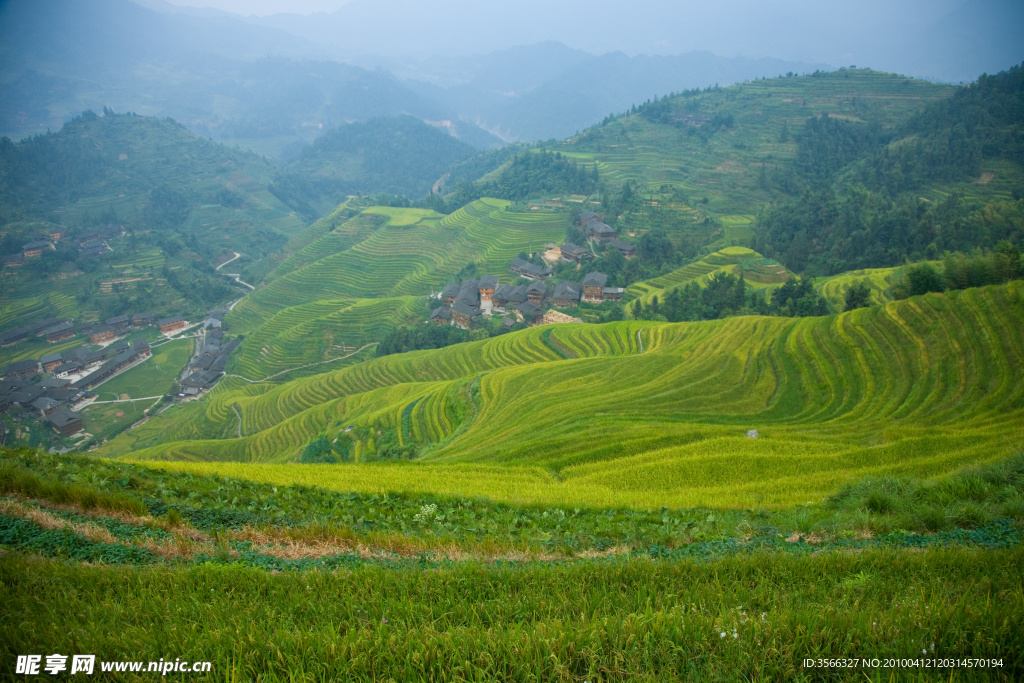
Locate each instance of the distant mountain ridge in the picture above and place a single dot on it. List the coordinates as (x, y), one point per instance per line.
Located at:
(234, 82)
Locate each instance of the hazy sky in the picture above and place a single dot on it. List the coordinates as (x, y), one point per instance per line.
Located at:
(840, 10)
(264, 7)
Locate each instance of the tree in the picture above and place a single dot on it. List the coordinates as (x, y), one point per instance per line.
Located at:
(922, 278)
(857, 296)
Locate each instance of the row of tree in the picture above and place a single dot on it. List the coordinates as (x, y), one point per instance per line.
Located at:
(726, 295)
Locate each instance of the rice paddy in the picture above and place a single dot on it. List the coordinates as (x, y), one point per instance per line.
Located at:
(410, 254)
(917, 387)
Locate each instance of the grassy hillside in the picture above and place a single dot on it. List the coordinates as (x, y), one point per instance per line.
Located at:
(186, 204)
(756, 128)
(916, 386)
(399, 252)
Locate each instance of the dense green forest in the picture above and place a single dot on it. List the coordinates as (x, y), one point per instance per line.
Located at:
(528, 174)
(852, 198)
(397, 155)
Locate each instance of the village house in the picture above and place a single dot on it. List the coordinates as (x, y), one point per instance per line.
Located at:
(37, 327)
(59, 332)
(599, 230)
(532, 315)
(14, 336)
(574, 253)
(469, 294)
(449, 294)
(64, 421)
(22, 368)
(54, 383)
(593, 286)
(529, 270)
(171, 324)
(516, 296)
(14, 260)
(463, 314)
(51, 361)
(567, 295)
(612, 293)
(68, 368)
(535, 293)
(56, 234)
(23, 397)
(44, 406)
(488, 283)
(587, 216)
(120, 323)
(35, 248)
(101, 334)
(627, 249)
(441, 316)
(500, 297)
(140, 320)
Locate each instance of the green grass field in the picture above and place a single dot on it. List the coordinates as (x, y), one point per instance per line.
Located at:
(367, 586)
(154, 376)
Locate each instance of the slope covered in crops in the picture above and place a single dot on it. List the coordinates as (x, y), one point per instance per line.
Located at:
(388, 252)
(656, 412)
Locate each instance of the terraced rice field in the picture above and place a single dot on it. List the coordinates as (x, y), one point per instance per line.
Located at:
(410, 255)
(317, 331)
(917, 387)
(723, 260)
(724, 167)
(878, 280)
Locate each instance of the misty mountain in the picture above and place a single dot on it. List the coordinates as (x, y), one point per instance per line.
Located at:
(222, 77)
(951, 40)
(589, 89)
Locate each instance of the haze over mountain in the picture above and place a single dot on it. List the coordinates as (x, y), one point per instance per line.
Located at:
(950, 40)
(273, 83)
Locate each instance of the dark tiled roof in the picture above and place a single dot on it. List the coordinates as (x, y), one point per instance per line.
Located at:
(466, 310)
(528, 310)
(567, 290)
(172, 319)
(58, 328)
(595, 280)
(488, 282)
(50, 358)
(116, 320)
(62, 417)
(21, 366)
(622, 246)
(441, 312)
(143, 316)
(527, 267)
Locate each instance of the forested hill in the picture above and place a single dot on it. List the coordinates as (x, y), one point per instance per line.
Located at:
(185, 203)
(859, 193)
(399, 155)
(826, 172)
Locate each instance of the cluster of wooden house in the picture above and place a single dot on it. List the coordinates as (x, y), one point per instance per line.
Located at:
(464, 304)
(91, 244)
(55, 398)
(55, 330)
(210, 361)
